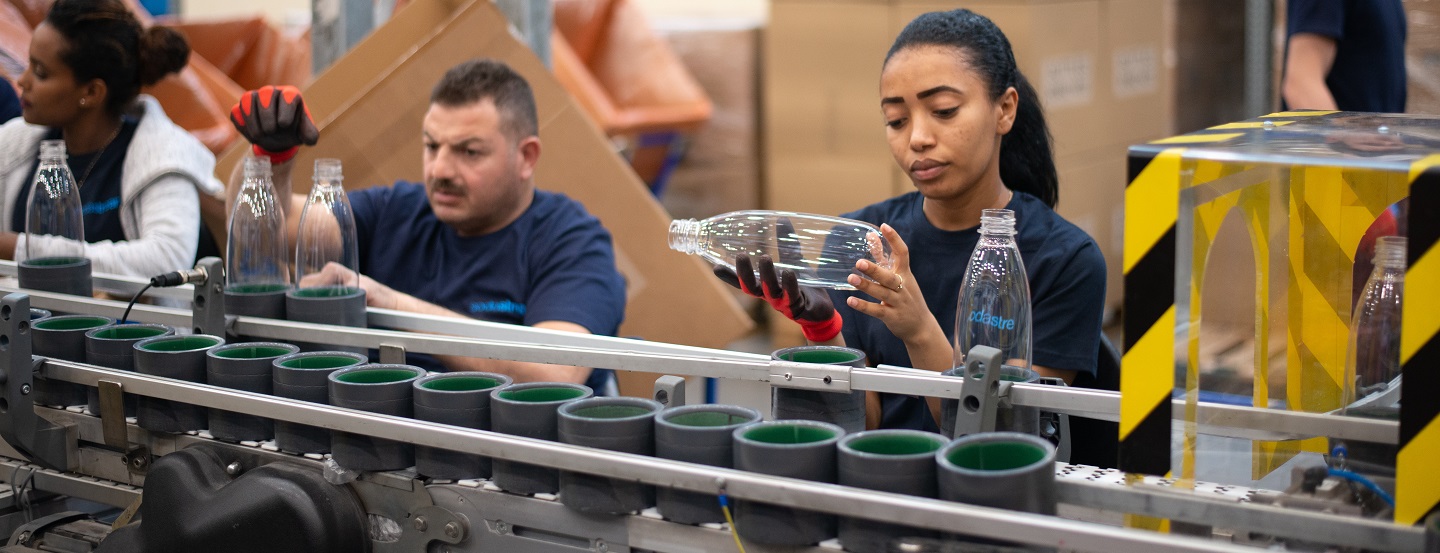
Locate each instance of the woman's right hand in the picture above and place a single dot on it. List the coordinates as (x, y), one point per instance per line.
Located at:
(811, 307)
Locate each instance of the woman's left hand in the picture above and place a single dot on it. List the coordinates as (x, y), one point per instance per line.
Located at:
(901, 307)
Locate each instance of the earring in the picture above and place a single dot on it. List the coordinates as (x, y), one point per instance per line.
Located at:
(82, 101)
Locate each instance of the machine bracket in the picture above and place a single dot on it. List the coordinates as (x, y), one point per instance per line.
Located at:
(40, 440)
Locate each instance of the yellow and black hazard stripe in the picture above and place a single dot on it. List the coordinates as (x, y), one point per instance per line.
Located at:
(1417, 485)
(1147, 370)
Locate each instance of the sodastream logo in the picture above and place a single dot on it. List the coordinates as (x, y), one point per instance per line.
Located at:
(983, 317)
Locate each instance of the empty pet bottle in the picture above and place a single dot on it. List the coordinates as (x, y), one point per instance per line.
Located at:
(994, 305)
(54, 253)
(255, 259)
(327, 254)
(822, 250)
(1374, 358)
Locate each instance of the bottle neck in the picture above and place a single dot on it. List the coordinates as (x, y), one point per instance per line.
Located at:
(997, 223)
(685, 235)
(1390, 252)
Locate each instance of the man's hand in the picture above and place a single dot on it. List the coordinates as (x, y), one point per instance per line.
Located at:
(810, 307)
(275, 120)
(335, 274)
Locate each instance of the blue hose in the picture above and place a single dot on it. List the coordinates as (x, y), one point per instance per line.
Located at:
(1363, 481)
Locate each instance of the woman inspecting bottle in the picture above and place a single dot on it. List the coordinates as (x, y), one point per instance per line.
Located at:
(137, 172)
(967, 128)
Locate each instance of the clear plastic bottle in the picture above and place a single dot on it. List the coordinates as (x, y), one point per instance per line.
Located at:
(1374, 356)
(822, 250)
(255, 256)
(327, 235)
(54, 227)
(994, 305)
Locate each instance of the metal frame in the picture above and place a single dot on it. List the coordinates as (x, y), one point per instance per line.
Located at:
(519, 343)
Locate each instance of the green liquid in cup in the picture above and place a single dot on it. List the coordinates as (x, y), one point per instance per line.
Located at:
(708, 419)
(184, 343)
(256, 288)
(820, 356)
(377, 376)
(326, 292)
(896, 445)
(70, 323)
(542, 395)
(460, 383)
(253, 352)
(320, 362)
(996, 455)
(126, 332)
(789, 434)
(611, 412)
(55, 261)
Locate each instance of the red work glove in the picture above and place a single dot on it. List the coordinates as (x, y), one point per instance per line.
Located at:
(811, 307)
(275, 120)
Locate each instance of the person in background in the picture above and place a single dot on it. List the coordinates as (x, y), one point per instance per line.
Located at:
(476, 239)
(967, 128)
(1345, 55)
(139, 174)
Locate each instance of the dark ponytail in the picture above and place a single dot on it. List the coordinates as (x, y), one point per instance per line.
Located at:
(105, 41)
(1027, 163)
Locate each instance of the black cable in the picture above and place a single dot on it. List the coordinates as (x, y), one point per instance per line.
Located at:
(137, 295)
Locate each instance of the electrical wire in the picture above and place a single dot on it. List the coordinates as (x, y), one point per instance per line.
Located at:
(133, 299)
(18, 495)
(725, 507)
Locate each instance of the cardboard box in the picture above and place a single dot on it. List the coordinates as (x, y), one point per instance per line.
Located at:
(1422, 56)
(1137, 70)
(369, 106)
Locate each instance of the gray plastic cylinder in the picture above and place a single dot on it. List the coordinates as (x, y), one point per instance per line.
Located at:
(256, 300)
(62, 275)
(62, 337)
(895, 461)
(376, 388)
(1017, 419)
(36, 314)
(530, 410)
(113, 346)
(245, 366)
(846, 409)
(697, 434)
(624, 424)
(1006, 470)
(792, 448)
(457, 399)
(306, 376)
(180, 358)
(332, 306)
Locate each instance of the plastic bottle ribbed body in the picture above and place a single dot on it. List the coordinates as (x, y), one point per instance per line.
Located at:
(327, 235)
(822, 250)
(1374, 356)
(54, 224)
(255, 255)
(994, 304)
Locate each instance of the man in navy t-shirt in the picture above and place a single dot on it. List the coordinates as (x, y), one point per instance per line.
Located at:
(476, 239)
(1345, 54)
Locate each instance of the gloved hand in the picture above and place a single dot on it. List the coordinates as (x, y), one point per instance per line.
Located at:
(275, 120)
(811, 307)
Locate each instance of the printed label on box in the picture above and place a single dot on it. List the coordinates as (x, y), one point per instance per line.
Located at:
(1136, 71)
(1067, 80)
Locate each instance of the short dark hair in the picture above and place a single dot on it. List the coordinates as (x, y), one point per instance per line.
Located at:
(1027, 162)
(479, 79)
(105, 41)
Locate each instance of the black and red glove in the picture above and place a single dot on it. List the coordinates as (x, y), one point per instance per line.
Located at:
(811, 307)
(275, 120)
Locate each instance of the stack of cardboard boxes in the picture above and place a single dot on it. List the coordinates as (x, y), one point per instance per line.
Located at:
(1104, 70)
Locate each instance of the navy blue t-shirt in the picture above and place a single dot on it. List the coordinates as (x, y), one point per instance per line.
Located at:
(1067, 292)
(554, 263)
(1369, 69)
